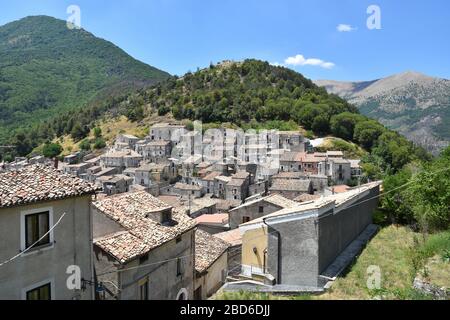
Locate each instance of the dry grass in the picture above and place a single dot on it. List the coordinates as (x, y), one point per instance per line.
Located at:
(438, 272)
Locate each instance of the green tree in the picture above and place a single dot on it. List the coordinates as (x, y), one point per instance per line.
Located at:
(78, 132)
(99, 143)
(97, 132)
(52, 150)
(343, 124)
(366, 133)
(85, 145)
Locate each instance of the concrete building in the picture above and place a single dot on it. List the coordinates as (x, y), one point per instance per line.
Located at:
(46, 217)
(303, 246)
(257, 208)
(149, 242)
(211, 264)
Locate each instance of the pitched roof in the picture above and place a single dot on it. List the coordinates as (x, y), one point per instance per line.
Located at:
(340, 188)
(185, 186)
(36, 183)
(290, 185)
(232, 237)
(240, 175)
(207, 250)
(217, 218)
(274, 199)
(338, 199)
(211, 176)
(133, 211)
(304, 197)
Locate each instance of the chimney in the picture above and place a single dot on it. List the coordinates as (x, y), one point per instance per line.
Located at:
(56, 163)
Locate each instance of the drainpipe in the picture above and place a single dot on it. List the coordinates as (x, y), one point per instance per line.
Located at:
(278, 250)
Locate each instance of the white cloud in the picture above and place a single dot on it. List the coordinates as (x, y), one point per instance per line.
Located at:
(345, 28)
(276, 64)
(300, 60)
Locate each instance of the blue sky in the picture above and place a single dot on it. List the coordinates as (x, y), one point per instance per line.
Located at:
(181, 35)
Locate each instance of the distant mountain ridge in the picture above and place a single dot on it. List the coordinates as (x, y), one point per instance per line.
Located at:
(412, 103)
(46, 69)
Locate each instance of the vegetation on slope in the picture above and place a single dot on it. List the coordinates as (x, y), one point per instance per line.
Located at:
(47, 69)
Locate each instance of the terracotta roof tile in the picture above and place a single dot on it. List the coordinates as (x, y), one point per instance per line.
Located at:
(40, 183)
(207, 250)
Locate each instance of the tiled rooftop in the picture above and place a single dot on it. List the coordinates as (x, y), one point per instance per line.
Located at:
(218, 218)
(290, 185)
(232, 237)
(39, 183)
(207, 250)
(275, 199)
(133, 212)
(185, 186)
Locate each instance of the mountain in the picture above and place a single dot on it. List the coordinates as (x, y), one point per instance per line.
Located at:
(414, 104)
(47, 69)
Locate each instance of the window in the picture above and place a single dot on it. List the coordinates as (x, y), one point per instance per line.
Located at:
(179, 267)
(143, 289)
(261, 209)
(245, 219)
(36, 226)
(40, 293)
(178, 239)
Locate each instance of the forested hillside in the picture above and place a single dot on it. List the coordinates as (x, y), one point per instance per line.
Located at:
(48, 69)
(251, 93)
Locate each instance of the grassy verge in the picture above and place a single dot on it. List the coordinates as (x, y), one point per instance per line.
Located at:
(400, 254)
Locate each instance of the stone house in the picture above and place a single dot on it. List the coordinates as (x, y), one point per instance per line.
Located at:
(211, 264)
(188, 191)
(152, 173)
(257, 208)
(45, 216)
(291, 161)
(125, 141)
(79, 170)
(319, 182)
(121, 160)
(237, 187)
(291, 188)
(143, 249)
(155, 151)
(291, 140)
(220, 183)
(337, 170)
(166, 131)
(208, 182)
(115, 184)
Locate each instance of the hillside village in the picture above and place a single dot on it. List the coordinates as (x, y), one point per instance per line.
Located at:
(181, 214)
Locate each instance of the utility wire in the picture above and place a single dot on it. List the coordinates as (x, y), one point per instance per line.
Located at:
(30, 247)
